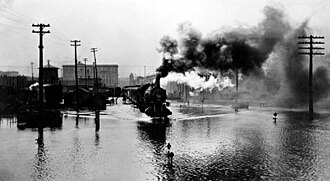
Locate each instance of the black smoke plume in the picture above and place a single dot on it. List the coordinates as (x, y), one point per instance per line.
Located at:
(246, 50)
(242, 49)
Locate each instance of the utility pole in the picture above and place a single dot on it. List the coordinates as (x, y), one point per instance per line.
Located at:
(76, 69)
(236, 76)
(94, 73)
(41, 32)
(311, 53)
(85, 59)
(94, 50)
(32, 70)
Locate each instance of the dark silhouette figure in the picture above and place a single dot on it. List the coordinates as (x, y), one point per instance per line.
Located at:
(168, 146)
(275, 117)
(170, 154)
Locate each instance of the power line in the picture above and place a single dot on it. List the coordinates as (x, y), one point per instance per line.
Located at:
(14, 66)
(25, 20)
(18, 14)
(60, 34)
(19, 21)
(13, 27)
(22, 19)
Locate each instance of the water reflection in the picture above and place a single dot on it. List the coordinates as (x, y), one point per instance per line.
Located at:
(97, 120)
(233, 146)
(153, 137)
(298, 146)
(7, 121)
(77, 121)
(228, 148)
(97, 139)
(199, 110)
(218, 151)
(77, 158)
(41, 167)
(249, 159)
(152, 134)
(50, 118)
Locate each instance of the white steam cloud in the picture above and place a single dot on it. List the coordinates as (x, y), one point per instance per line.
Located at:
(197, 82)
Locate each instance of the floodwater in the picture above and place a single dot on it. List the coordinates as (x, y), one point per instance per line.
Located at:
(213, 143)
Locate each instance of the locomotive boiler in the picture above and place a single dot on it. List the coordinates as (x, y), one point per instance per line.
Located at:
(149, 98)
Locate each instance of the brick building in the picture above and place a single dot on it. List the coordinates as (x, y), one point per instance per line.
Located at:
(107, 75)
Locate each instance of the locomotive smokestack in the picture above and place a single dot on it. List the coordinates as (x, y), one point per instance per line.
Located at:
(157, 82)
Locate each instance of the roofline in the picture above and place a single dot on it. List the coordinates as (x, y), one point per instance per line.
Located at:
(50, 68)
(110, 65)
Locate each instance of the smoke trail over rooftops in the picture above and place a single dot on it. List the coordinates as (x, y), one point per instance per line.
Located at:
(246, 50)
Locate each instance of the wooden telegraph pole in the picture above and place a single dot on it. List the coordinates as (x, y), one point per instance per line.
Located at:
(32, 71)
(311, 53)
(97, 112)
(76, 69)
(236, 77)
(94, 50)
(41, 32)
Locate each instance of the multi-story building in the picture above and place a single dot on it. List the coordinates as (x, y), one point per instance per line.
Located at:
(9, 73)
(107, 75)
(11, 79)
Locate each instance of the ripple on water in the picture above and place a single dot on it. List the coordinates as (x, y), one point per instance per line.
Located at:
(233, 146)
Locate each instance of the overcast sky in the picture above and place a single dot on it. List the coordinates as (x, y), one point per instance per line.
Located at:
(127, 32)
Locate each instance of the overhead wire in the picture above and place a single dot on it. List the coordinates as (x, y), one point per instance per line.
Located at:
(20, 21)
(20, 14)
(6, 15)
(56, 37)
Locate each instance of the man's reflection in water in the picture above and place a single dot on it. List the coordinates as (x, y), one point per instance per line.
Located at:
(153, 135)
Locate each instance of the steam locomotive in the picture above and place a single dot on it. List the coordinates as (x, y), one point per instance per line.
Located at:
(149, 98)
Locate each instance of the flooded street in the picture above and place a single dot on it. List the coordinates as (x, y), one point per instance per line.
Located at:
(246, 145)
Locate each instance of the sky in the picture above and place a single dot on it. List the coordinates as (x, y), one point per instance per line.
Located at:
(127, 32)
